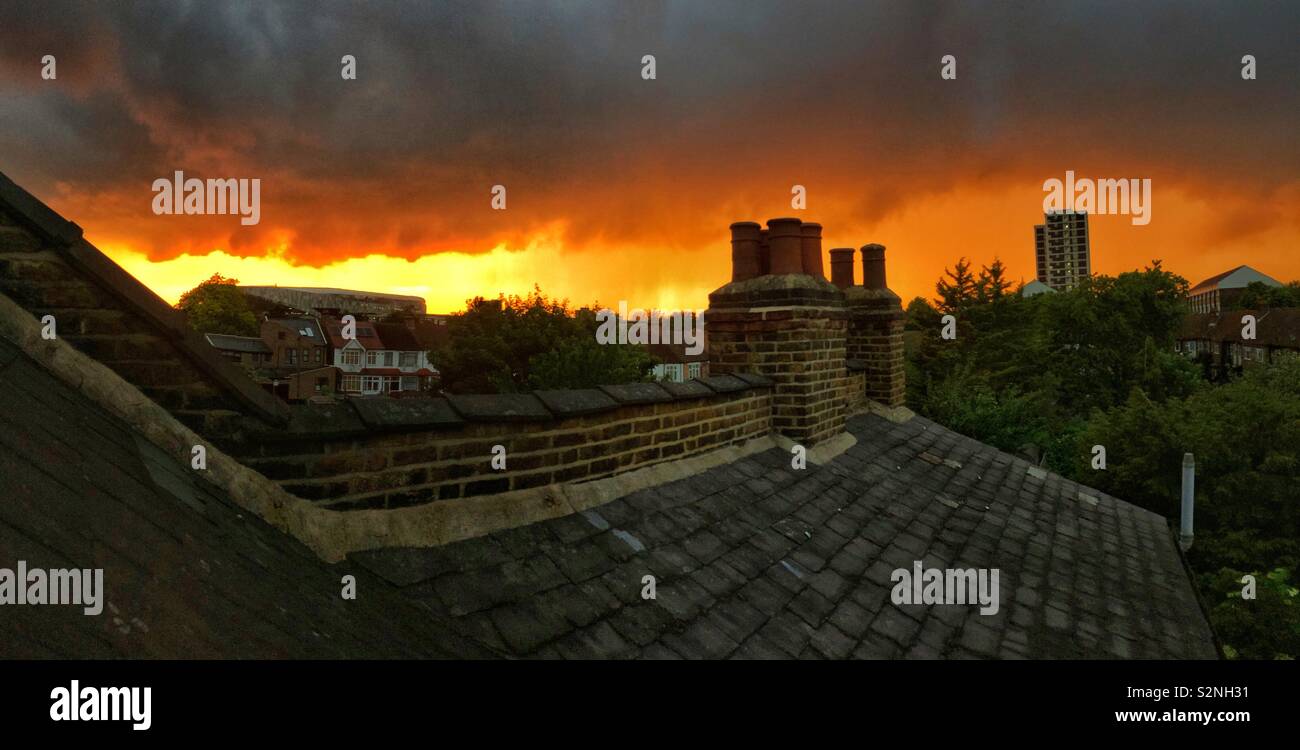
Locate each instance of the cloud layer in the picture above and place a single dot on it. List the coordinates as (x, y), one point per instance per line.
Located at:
(750, 99)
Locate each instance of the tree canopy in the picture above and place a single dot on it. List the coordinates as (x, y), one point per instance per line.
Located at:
(514, 343)
(218, 306)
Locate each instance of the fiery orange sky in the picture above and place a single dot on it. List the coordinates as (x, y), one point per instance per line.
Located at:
(621, 188)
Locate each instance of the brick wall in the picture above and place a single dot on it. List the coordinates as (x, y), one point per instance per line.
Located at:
(48, 269)
(875, 338)
(378, 453)
(787, 354)
(790, 327)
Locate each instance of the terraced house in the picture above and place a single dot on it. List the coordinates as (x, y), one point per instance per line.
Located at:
(697, 486)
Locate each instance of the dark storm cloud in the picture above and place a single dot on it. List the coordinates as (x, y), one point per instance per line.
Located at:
(547, 97)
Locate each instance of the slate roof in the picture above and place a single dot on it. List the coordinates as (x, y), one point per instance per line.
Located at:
(303, 326)
(1278, 327)
(226, 342)
(755, 559)
(366, 335)
(398, 337)
(187, 573)
(752, 559)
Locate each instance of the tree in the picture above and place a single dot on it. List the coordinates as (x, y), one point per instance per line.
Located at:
(512, 344)
(218, 306)
(1258, 295)
(921, 315)
(1245, 436)
(992, 283)
(958, 292)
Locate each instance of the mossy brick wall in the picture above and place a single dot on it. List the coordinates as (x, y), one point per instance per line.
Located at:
(380, 453)
(875, 338)
(855, 387)
(109, 316)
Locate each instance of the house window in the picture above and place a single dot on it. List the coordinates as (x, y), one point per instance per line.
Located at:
(390, 359)
(352, 383)
(409, 359)
(410, 384)
(371, 384)
(293, 356)
(351, 357)
(306, 356)
(372, 358)
(318, 354)
(392, 384)
(693, 370)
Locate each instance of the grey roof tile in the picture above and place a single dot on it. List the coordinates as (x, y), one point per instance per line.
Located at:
(751, 559)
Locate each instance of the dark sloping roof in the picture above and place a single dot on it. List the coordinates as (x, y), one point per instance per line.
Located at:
(398, 337)
(677, 354)
(755, 559)
(187, 573)
(303, 326)
(365, 334)
(1279, 327)
(229, 343)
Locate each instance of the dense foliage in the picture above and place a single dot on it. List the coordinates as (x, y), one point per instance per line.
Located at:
(514, 343)
(1259, 295)
(1053, 375)
(218, 306)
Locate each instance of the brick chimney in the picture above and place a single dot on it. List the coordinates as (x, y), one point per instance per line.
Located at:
(873, 266)
(789, 325)
(842, 267)
(785, 246)
(746, 251)
(875, 335)
(811, 249)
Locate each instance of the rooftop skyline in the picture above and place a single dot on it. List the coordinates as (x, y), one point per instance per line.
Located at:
(621, 187)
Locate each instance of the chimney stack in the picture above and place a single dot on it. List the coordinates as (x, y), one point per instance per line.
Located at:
(811, 247)
(787, 324)
(873, 266)
(785, 243)
(746, 250)
(875, 336)
(842, 267)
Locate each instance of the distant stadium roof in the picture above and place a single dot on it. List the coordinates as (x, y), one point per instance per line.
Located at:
(338, 292)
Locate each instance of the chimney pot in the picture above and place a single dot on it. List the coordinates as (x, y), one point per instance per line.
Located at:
(746, 250)
(785, 243)
(842, 267)
(811, 246)
(873, 266)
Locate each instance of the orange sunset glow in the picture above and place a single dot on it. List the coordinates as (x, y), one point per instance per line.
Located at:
(621, 187)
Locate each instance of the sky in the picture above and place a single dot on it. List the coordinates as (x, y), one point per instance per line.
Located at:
(622, 188)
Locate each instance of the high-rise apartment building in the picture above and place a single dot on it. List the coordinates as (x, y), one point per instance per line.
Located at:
(1061, 249)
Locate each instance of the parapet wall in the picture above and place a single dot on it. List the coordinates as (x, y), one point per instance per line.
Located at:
(793, 354)
(381, 454)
